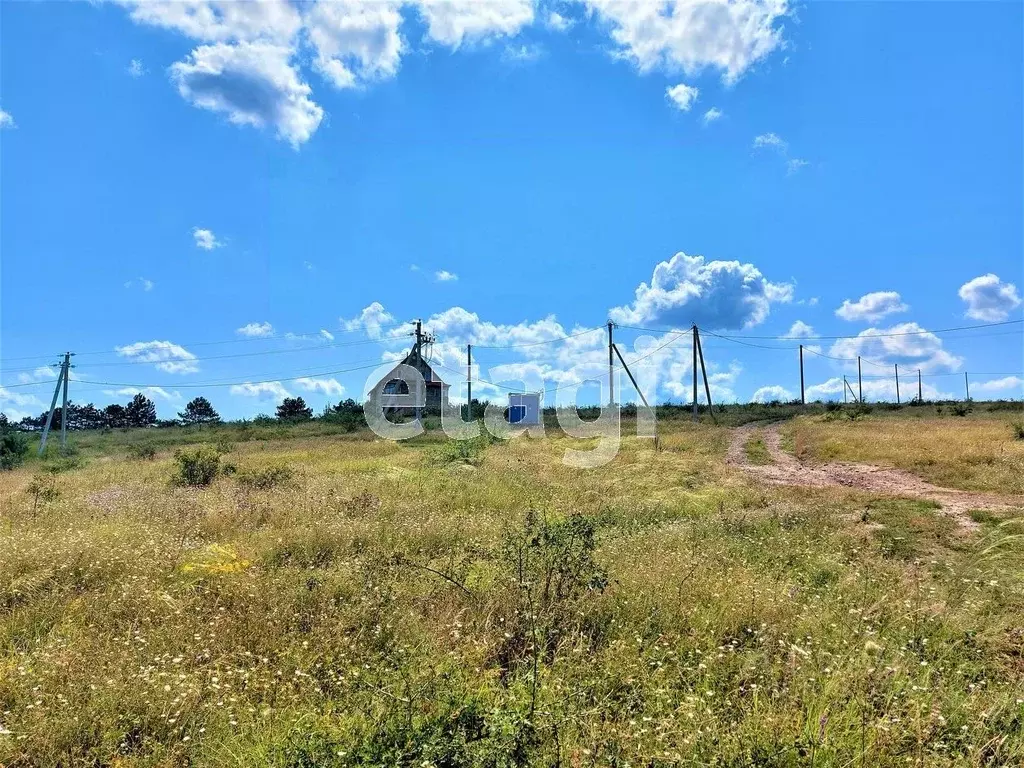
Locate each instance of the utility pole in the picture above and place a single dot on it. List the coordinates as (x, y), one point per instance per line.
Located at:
(845, 385)
(920, 399)
(611, 366)
(64, 405)
(419, 341)
(897, 367)
(967, 386)
(639, 392)
(803, 400)
(469, 382)
(694, 345)
(860, 386)
(53, 406)
(704, 373)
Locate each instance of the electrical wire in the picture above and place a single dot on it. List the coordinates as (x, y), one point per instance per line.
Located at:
(857, 336)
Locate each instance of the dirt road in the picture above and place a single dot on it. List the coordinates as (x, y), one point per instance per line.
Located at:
(786, 469)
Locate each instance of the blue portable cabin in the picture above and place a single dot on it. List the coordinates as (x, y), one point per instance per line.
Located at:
(524, 408)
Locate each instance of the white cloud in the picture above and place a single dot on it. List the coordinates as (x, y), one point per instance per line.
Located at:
(558, 22)
(329, 387)
(793, 165)
(770, 393)
(150, 392)
(771, 141)
(356, 42)
(872, 306)
(717, 294)
(800, 330)
(711, 115)
(18, 398)
(883, 389)
(454, 22)
(989, 299)
(253, 83)
(1013, 386)
(682, 96)
(521, 54)
(310, 267)
(444, 276)
(42, 373)
(135, 68)
(373, 318)
(165, 355)
(913, 348)
(205, 239)
(6, 121)
(326, 334)
(727, 36)
(256, 330)
(143, 283)
(220, 20)
(263, 390)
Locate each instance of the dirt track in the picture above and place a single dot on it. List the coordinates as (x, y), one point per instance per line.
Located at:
(785, 469)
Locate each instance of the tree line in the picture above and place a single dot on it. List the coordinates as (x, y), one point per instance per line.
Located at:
(140, 411)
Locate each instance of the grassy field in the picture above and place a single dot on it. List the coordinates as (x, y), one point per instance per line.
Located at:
(332, 599)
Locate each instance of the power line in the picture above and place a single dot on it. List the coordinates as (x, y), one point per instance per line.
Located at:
(857, 336)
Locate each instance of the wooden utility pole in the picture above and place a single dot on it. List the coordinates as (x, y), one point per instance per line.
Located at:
(803, 400)
(611, 366)
(704, 373)
(920, 399)
(860, 385)
(897, 367)
(469, 382)
(967, 387)
(694, 345)
(53, 406)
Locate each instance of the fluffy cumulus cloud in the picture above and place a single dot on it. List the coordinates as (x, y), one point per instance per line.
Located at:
(264, 390)
(717, 294)
(677, 34)
(770, 141)
(205, 239)
(444, 276)
(771, 393)
(882, 389)
(989, 299)
(373, 319)
(455, 22)
(6, 121)
(800, 330)
(256, 330)
(872, 306)
(1008, 387)
(908, 344)
(153, 393)
(18, 405)
(329, 387)
(712, 115)
(356, 42)
(42, 373)
(165, 356)
(682, 96)
(251, 83)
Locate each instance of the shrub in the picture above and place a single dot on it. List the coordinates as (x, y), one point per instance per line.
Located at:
(461, 451)
(961, 409)
(264, 479)
(13, 449)
(57, 459)
(1018, 429)
(141, 451)
(224, 446)
(196, 466)
(42, 488)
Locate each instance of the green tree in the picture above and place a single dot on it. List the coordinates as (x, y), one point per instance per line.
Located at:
(294, 409)
(13, 445)
(115, 416)
(141, 411)
(199, 411)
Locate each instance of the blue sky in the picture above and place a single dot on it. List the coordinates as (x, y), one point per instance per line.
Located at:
(188, 186)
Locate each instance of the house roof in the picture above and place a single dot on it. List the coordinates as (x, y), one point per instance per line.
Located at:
(410, 359)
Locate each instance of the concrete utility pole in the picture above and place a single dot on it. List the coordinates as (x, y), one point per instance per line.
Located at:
(704, 373)
(694, 344)
(469, 382)
(53, 406)
(897, 366)
(419, 341)
(845, 385)
(860, 386)
(803, 400)
(920, 399)
(967, 386)
(611, 365)
(64, 406)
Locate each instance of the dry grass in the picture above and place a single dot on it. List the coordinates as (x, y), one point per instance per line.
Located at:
(975, 454)
(376, 610)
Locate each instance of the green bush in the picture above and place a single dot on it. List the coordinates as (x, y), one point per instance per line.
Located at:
(13, 449)
(57, 459)
(196, 466)
(141, 451)
(264, 479)
(1018, 429)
